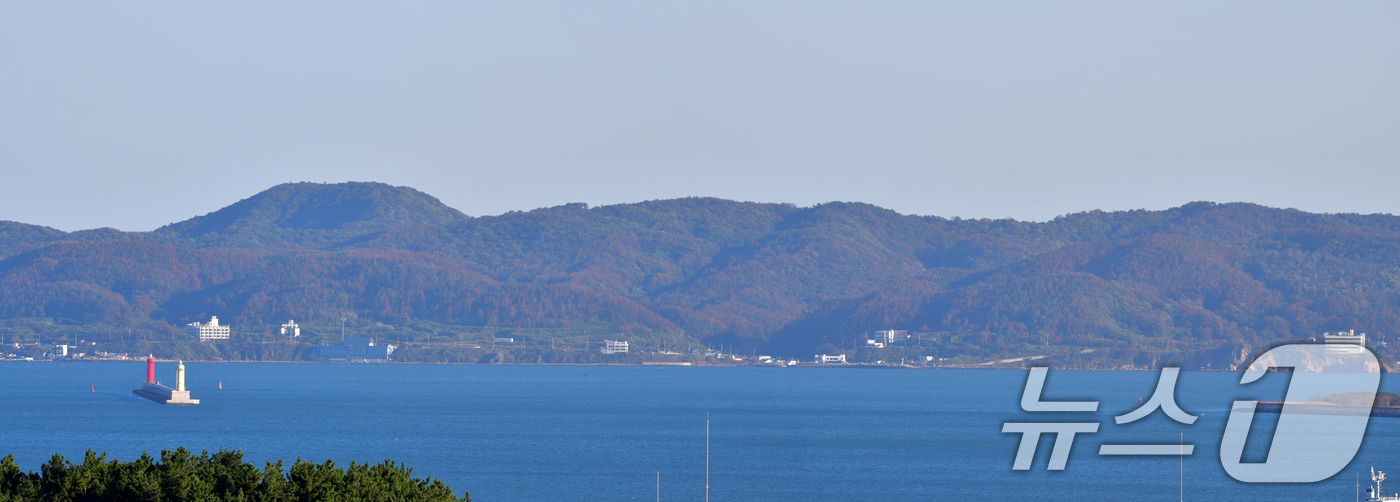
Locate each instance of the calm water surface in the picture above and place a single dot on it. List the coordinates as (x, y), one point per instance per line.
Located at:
(544, 433)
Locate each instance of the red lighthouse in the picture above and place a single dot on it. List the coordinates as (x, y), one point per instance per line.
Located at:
(151, 369)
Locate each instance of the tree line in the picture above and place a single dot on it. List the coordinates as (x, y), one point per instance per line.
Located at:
(180, 475)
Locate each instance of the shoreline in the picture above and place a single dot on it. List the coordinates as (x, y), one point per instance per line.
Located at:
(692, 365)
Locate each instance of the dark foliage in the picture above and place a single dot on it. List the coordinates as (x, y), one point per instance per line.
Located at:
(181, 476)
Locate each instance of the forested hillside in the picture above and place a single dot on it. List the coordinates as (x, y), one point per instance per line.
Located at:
(1202, 282)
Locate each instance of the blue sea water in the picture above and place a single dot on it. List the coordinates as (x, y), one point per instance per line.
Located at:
(546, 433)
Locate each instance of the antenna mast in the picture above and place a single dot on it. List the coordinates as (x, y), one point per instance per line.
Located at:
(1377, 477)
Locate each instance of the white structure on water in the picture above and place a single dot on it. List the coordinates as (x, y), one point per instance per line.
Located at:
(614, 347)
(153, 390)
(209, 331)
(1376, 495)
(291, 330)
(828, 359)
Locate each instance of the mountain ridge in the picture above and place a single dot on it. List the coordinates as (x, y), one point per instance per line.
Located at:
(1129, 286)
(312, 214)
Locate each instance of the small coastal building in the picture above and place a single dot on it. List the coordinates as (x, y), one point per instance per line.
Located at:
(291, 330)
(830, 359)
(354, 349)
(1345, 342)
(614, 346)
(211, 330)
(891, 336)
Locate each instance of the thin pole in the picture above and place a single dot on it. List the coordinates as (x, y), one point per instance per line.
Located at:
(707, 457)
(658, 486)
(1181, 465)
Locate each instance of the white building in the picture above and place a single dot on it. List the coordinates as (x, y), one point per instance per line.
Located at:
(892, 335)
(614, 347)
(1345, 342)
(826, 359)
(208, 331)
(291, 330)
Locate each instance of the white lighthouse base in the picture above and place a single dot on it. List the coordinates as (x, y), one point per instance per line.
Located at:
(164, 395)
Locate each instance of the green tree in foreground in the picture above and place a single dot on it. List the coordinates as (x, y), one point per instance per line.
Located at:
(224, 476)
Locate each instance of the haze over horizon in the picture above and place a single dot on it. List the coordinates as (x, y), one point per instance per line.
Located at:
(138, 115)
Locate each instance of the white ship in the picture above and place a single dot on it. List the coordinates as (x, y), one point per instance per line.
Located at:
(1373, 491)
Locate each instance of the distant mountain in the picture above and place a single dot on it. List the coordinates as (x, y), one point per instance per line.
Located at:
(1201, 283)
(314, 215)
(18, 237)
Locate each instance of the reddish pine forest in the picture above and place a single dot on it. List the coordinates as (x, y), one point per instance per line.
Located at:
(1197, 284)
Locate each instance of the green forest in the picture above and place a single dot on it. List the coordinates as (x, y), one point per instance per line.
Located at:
(223, 476)
(1201, 285)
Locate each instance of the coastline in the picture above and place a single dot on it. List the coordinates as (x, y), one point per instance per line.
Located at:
(854, 366)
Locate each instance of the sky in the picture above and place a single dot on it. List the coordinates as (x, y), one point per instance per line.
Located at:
(134, 115)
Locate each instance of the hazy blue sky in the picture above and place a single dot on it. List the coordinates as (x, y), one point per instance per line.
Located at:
(138, 114)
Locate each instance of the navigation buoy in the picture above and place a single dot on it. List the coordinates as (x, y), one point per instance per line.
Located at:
(94, 388)
(221, 385)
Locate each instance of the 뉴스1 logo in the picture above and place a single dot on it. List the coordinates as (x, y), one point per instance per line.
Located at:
(1312, 442)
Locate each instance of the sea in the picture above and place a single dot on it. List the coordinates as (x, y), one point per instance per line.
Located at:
(615, 433)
